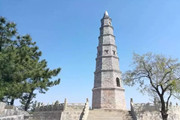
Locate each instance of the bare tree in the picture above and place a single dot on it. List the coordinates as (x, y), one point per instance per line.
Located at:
(157, 75)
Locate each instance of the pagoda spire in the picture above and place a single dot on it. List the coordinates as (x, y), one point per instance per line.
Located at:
(106, 14)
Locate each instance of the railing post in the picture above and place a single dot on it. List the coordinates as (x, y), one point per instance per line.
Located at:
(65, 104)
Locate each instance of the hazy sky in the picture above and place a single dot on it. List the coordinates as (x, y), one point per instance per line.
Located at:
(67, 31)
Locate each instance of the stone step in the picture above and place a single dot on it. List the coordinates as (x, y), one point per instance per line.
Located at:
(75, 107)
(109, 118)
(109, 115)
(71, 115)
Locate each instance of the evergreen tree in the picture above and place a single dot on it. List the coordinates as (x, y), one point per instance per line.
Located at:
(7, 54)
(40, 80)
(21, 70)
(25, 54)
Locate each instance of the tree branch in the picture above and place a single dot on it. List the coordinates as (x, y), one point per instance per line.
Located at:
(167, 87)
(167, 102)
(151, 82)
(166, 75)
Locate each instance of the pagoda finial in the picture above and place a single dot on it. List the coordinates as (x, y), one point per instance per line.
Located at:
(106, 14)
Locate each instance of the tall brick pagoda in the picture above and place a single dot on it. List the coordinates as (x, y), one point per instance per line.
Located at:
(108, 92)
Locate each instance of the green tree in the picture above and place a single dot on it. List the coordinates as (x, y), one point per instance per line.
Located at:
(21, 70)
(25, 54)
(40, 80)
(157, 75)
(38, 75)
(7, 32)
(7, 54)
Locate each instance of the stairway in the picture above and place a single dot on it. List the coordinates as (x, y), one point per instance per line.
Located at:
(72, 113)
(105, 114)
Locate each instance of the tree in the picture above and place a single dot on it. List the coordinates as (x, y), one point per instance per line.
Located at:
(17, 57)
(7, 32)
(25, 55)
(38, 75)
(40, 80)
(157, 75)
(7, 54)
(21, 70)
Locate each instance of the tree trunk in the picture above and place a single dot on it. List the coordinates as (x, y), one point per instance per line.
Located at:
(163, 109)
(164, 116)
(28, 101)
(12, 101)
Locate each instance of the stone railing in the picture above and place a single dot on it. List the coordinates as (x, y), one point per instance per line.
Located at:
(75, 106)
(58, 106)
(149, 111)
(53, 107)
(133, 113)
(50, 107)
(62, 111)
(145, 107)
(85, 110)
(152, 107)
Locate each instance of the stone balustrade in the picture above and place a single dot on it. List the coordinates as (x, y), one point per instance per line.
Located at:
(52, 107)
(85, 110)
(149, 111)
(62, 111)
(58, 106)
(75, 104)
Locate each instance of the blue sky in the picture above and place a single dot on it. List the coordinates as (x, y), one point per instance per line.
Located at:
(67, 31)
